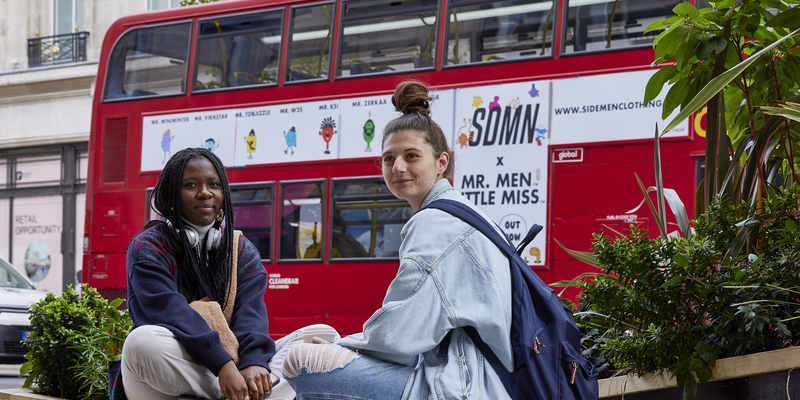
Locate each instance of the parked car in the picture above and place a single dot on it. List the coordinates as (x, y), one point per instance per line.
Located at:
(16, 297)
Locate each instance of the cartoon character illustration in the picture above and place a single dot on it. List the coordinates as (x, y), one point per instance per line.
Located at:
(533, 92)
(495, 103)
(291, 140)
(540, 131)
(251, 143)
(210, 145)
(514, 104)
(166, 140)
(463, 139)
(477, 101)
(536, 253)
(369, 132)
(327, 132)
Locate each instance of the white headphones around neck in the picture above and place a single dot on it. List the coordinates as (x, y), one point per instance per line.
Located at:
(213, 238)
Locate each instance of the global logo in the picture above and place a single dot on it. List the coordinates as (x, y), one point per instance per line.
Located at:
(568, 155)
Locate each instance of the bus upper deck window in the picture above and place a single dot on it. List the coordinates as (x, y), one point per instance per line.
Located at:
(366, 220)
(608, 24)
(301, 220)
(243, 50)
(480, 31)
(387, 35)
(149, 62)
(310, 45)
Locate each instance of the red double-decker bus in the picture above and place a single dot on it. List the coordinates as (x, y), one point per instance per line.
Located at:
(542, 99)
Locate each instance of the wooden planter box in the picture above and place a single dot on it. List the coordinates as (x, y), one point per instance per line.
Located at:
(751, 377)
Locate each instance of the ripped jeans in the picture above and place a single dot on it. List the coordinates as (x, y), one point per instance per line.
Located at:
(328, 371)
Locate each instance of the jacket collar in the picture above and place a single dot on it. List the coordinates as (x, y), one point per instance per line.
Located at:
(441, 186)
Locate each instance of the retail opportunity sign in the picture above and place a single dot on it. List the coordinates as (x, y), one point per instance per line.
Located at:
(605, 108)
(501, 152)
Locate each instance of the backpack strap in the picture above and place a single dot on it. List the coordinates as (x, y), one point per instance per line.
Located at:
(471, 217)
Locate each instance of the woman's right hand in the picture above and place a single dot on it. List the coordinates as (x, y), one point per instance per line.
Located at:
(232, 383)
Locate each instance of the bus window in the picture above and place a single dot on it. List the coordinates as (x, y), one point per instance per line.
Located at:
(610, 24)
(149, 62)
(238, 51)
(366, 220)
(480, 31)
(387, 35)
(310, 46)
(252, 214)
(301, 220)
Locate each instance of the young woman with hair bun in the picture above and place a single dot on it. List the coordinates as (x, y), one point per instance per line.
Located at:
(450, 276)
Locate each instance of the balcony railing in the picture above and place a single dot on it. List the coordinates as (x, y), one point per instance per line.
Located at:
(59, 49)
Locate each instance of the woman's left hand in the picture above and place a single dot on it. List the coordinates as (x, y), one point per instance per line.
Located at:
(258, 381)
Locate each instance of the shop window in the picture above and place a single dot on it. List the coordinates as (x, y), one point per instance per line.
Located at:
(366, 220)
(611, 24)
(83, 166)
(310, 45)
(481, 31)
(301, 220)
(3, 173)
(238, 51)
(153, 5)
(38, 171)
(252, 214)
(149, 62)
(387, 36)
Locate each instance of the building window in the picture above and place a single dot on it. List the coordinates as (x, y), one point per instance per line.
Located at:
(153, 5)
(367, 219)
(301, 220)
(68, 16)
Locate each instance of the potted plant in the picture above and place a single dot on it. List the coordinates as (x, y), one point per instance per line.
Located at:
(728, 286)
(71, 341)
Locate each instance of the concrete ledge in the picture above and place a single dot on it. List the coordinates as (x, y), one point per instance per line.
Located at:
(727, 368)
(22, 394)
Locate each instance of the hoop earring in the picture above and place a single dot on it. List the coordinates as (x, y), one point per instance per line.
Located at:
(221, 215)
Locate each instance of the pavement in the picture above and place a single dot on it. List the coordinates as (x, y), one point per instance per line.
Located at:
(9, 376)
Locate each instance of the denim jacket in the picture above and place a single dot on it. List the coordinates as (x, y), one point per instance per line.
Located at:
(450, 276)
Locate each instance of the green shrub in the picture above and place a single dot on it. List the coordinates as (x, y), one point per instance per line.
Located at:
(72, 339)
(679, 304)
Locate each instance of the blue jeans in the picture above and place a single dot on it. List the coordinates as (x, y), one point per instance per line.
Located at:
(363, 378)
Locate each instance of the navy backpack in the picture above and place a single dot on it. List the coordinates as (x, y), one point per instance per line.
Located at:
(548, 364)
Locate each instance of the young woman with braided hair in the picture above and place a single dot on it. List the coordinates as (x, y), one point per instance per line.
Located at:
(450, 277)
(171, 349)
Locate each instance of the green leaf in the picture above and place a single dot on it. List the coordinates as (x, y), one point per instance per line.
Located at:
(681, 260)
(25, 368)
(652, 207)
(689, 387)
(584, 256)
(789, 19)
(115, 303)
(674, 280)
(656, 83)
(718, 84)
(686, 10)
(674, 98)
(790, 225)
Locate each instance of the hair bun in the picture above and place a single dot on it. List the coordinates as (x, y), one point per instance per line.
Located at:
(412, 97)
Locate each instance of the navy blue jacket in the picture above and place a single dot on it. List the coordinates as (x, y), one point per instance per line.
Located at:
(154, 299)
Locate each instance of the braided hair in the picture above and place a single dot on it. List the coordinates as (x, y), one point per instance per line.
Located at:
(208, 275)
(411, 98)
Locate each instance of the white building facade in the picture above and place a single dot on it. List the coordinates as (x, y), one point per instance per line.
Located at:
(49, 52)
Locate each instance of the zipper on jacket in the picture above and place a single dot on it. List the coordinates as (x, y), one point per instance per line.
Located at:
(536, 344)
(574, 370)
